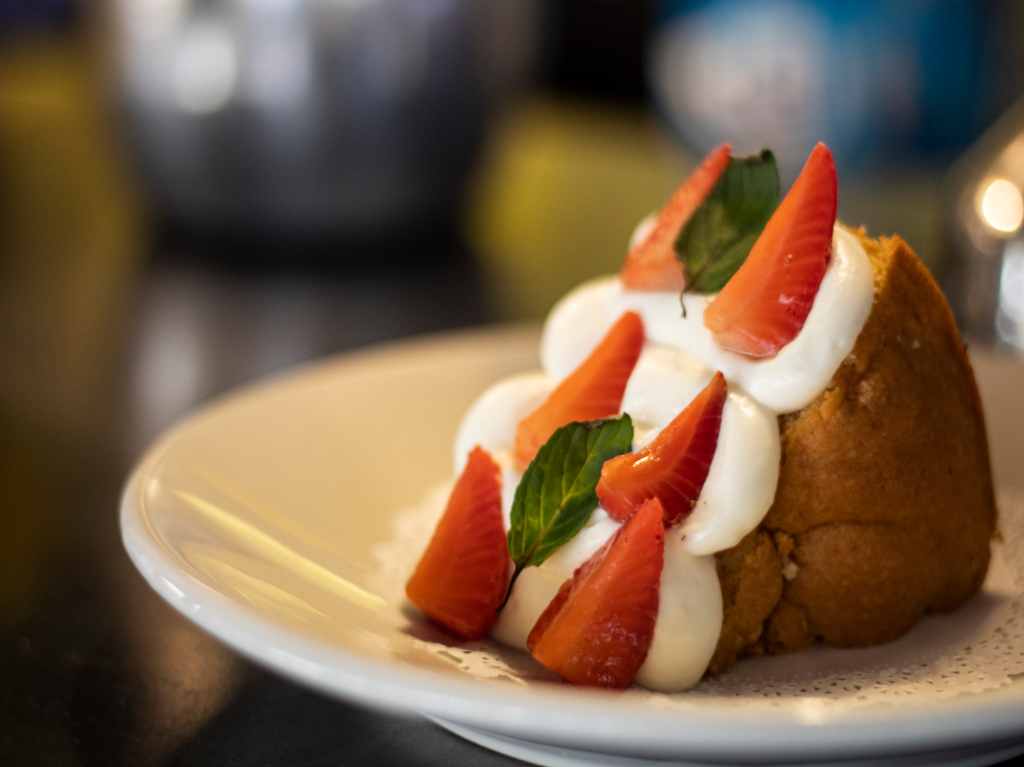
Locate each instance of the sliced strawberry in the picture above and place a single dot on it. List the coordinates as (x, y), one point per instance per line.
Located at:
(652, 264)
(598, 628)
(764, 305)
(673, 467)
(593, 390)
(461, 578)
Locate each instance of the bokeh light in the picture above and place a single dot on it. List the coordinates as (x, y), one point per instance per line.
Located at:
(1000, 205)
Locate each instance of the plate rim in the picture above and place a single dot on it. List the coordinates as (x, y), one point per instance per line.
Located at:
(555, 715)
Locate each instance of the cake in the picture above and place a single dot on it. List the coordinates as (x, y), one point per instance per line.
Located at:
(795, 454)
(884, 508)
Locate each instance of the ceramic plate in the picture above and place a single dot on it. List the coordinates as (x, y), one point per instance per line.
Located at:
(284, 520)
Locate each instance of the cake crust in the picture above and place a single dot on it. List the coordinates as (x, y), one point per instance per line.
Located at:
(885, 507)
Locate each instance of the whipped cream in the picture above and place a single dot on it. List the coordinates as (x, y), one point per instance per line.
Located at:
(785, 383)
(689, 613)
(678, 360)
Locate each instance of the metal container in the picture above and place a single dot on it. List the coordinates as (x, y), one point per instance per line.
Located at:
(312, 115)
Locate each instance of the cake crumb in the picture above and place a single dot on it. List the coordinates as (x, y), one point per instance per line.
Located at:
(790, 569)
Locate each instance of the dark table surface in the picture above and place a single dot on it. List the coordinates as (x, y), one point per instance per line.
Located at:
(95, 668)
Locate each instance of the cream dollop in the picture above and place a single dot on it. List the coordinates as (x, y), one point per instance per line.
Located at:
(739, 490)
(678, 359)
(689, 612)
(492, 419)
(785, 383)
(741, 480)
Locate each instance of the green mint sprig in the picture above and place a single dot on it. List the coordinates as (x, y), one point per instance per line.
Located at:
(557, 493)
(716, 240)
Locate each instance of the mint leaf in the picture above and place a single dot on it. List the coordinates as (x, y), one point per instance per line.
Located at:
(557, 494)
(717, 238)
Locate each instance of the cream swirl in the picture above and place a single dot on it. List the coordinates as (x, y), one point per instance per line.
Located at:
(785, 383)
(678, 360)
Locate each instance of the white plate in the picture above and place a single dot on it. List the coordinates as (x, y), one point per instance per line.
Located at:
(263, 519)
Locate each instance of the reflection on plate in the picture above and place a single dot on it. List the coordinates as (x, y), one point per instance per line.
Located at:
(285, 519)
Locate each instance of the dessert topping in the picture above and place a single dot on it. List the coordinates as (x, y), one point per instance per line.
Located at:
(593, 390)
(765, 304)
(673, 467)
(652, 264)
(461, 578)
(556, 495)
(717, 238)
(598, 628)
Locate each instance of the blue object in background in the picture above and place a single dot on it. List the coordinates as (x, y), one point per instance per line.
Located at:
(24, 15)
(881, 81)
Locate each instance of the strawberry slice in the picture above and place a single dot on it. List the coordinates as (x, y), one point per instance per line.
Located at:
(593, 390)
(461, 578)
(599, 626)
(764, 305)
(673, 467)
(652, 264)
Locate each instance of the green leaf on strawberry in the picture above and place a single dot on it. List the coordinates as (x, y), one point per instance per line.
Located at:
(715, 241)
(557, 493)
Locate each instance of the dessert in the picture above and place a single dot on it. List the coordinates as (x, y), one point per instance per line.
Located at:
(763, 433)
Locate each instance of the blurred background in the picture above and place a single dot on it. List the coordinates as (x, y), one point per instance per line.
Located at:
(195, 193)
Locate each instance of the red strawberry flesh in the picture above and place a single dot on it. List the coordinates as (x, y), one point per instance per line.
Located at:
(765, 304)
(674, 467)
(598, 628)
(593, 390)
(461, 578)
(652, 263)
